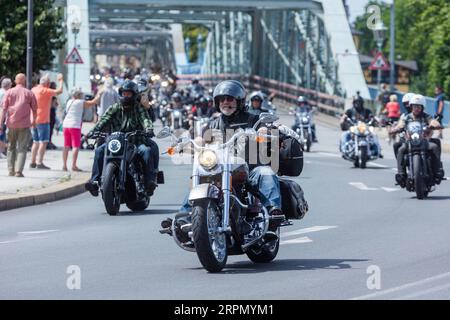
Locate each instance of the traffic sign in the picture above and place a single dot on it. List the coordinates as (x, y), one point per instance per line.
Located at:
(74, 57)
(379, 62)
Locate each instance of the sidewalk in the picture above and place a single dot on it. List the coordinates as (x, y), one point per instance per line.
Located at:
(41, 186)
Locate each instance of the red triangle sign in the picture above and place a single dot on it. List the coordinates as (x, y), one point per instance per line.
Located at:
(379, 62)
(74, 57)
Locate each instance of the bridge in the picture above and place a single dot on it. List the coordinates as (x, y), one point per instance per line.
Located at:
(306, 44)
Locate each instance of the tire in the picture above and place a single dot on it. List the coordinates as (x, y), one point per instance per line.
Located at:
(204, 245)
(356, 162)
(268, 252)
(140, 205)
(308, 143)
(110, 196)
(364, 157)
(419, 183)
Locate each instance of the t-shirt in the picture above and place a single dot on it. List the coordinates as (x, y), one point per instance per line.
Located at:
(44, 97)
(74, 113)
(439, 98)
(393, 109)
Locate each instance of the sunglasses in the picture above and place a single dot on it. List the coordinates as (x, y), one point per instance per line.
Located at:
(226, 98)
(256, 99)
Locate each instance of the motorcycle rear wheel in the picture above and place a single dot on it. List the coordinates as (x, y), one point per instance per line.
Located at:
(267, 253)
(210, 245)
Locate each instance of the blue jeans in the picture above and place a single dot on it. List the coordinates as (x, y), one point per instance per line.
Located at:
(150, 155)
(261, 178)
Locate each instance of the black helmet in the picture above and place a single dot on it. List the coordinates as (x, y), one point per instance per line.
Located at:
(231, 88)
(129, 85)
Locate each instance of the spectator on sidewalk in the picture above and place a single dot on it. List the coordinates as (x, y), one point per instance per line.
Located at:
(53, 108)
(72, 125)
(439, 106)
(5, 85)
(18, 103)
(109, 97)
(393, 109)
(41, 133)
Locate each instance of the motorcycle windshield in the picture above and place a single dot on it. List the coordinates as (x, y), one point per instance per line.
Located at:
(414, 127)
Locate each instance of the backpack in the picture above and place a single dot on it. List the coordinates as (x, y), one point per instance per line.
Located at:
(291, 158)
(293, 203)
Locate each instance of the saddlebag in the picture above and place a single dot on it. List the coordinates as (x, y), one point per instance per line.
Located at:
(293, 203)
(291, 158)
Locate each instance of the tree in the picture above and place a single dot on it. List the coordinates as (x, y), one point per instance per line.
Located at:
(49, 35)
(422, 33)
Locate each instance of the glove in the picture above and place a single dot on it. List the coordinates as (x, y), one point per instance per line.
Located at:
(150, 133)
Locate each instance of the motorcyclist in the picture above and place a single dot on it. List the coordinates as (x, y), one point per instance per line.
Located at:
(126, 116)
(303, 106)
(255, 104)
(407, 108)
(229, 98)
(417, 103)
(201, 108)
(195, 88)
(357, 113)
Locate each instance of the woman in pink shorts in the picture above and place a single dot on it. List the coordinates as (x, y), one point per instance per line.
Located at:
(72, 125)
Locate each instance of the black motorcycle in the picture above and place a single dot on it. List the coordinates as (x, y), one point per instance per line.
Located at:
(417, 160)
(122, 180)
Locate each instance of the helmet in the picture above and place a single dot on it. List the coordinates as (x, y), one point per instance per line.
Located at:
(256, 94)
(142, 85)
(176, 96)
(417, 99)
(407, 97)
(301, 99)
(231, 88)
(129, 85)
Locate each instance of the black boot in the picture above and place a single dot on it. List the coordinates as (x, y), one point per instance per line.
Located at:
(92, 187)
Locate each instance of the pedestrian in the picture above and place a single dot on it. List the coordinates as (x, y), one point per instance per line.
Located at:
(72, 125)
(41, 133)
(109, 97)
(439, 104)
(382, 98)
(53, 108)
(5, 85)
(18, 104)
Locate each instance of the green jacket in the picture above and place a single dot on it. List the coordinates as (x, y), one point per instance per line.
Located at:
(117, 118)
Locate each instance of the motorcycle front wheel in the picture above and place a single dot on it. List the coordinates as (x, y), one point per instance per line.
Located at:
(210, 244)
(419, 182)
(110, 192)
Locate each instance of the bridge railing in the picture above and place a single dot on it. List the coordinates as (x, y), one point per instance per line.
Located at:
(289, 93)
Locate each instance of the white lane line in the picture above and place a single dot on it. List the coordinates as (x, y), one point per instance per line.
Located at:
(361, 186)
(306, 230)
(35, 232)
(403, 287)
(297, 240)
(21, 239)
(387, 189)
(424, 292)
(378, 165)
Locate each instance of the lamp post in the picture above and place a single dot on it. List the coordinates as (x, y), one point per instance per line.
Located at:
(200, 47)
(379, 33)
(75, 26)
(30, 45)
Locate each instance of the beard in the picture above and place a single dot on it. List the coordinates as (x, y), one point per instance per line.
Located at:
(228, 111)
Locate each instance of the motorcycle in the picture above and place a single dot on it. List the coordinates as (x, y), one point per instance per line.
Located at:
(360, 148)
(178, 118)
(417, 159)
(303, 127)
(227, 218)
(199, 124)
(122, 179)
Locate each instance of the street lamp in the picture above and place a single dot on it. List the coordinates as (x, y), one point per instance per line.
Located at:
(75, 26)
(379, 33)
(187, 45)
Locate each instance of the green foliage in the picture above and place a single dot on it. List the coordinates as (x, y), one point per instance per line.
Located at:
(49, 35)
(422, 33)
(192, 31)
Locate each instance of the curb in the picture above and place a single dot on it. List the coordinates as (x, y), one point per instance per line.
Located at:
(61, 191)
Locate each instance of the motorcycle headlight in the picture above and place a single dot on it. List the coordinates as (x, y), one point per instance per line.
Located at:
(207, 159)
(164, 84)
(415, 136)
(305, 120)
(362, 128)
(114, 146)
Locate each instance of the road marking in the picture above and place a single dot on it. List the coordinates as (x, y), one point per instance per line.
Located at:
(378, 165)
(424, 292)
(390, 189)
(35, 232)
(306, 230)
(21, 239)
(297, 240)
(402, 287)
(361, 186)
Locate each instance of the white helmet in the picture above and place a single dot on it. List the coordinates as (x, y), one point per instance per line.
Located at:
(417, 99)
(407, 97)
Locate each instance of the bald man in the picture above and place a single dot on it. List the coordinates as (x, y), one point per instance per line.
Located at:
(18, 104)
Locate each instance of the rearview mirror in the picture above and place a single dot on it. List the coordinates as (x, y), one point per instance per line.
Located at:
(164, 133)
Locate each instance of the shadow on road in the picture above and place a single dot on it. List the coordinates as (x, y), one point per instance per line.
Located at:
(437, 198)
(146, 212)
(289, 265)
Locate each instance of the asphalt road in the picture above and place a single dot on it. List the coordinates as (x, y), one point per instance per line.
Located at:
(363, 238)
